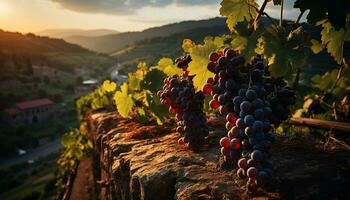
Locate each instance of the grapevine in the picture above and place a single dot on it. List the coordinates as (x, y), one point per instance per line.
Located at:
(251, 101)
(186, 104)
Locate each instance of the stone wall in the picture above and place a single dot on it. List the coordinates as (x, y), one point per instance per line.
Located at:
(134, 161)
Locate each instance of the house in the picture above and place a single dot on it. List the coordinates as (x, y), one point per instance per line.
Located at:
(30, 112)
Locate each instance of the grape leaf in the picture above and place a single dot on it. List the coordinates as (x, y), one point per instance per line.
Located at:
(244, 40)
(335, 11)
(168, 67)
(316, 46)
(334, 39)
(237, 11)
(134, 81)
(67, 140)
(281, 53)
(153, 81)
(157, 110)
(109, 86)
(124, 101)
(200, 58)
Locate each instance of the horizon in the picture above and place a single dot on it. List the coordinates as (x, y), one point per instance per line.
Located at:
(18, 15)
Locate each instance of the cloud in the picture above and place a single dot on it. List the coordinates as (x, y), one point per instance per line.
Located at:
(124, 7)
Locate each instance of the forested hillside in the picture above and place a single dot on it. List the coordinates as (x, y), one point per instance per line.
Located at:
(115, 42)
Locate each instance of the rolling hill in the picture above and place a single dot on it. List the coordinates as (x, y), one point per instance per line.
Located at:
(151, 50)
(64, 33)
(115, 42)
(17, 48)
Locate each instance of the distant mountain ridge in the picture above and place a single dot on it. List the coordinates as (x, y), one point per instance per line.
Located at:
(115, 42)
(64, 33)
(14, 42)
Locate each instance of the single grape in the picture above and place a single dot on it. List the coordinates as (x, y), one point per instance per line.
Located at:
(224, 110)
(225, 151)
(240, 123)
(252, 172)
(242, 163)
(249, 120)
(251, 95)
(258, 126)
(237, 100)
(214, 56)
(249, 131)
(230, 117)
(214, 104)
(235, 144)
(229, 125)
(257, 155)
(245, 106)
(207, 88)
(234, 132)
(225, 142)
(241, 173)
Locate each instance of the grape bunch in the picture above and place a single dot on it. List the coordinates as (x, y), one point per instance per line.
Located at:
(251, 101)
(187, 106)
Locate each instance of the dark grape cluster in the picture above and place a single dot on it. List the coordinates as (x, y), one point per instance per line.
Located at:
(251, 101)
(187, 105)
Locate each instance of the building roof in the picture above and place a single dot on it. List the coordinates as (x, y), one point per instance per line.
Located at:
(12, 111)
(34, 103)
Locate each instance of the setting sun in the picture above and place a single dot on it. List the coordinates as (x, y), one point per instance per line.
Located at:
(3, 8)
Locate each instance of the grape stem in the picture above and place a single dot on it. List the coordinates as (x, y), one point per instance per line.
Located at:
(299, 17)
(260, 13)
(264, 13)
(281, 14)
(340, 73)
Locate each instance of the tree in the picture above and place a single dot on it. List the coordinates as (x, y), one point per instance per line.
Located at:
(29, 67)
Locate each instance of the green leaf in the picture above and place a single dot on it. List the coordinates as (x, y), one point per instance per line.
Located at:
(168, 67)
(316, 46)
(244, 40)
(281, 53)
(200, 58)
(124, 101)
(333, 10)
(153, 81)
(159, 111)
(237, 11)
(67, 139)
(334, 39)
(326, 81)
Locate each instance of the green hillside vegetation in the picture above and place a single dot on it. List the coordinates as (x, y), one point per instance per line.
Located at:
(116, 42)
(64, 33)
(17, 48)
(151, 50)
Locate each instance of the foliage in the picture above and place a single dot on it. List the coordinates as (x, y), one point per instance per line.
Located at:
(200, 58)
(238, 10)
(124, 101)
(77, 146)
(99, 98)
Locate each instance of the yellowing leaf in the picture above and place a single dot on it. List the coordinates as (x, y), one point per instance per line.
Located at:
(109, 86)
(134, 81)
(124, 101)
(168, 67)
(237, 11)
(200, 58)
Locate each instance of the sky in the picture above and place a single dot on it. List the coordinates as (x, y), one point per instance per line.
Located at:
(121, 15)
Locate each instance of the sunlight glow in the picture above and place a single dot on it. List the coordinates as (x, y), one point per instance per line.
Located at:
(3, 8)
